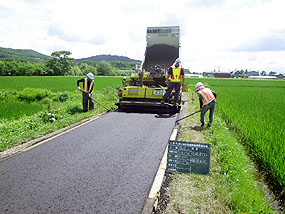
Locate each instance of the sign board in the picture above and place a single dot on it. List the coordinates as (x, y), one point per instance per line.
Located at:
(187, 157)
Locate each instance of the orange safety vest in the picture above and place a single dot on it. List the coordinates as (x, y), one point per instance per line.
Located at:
(85, 86)
(207, 95)
(176, 74)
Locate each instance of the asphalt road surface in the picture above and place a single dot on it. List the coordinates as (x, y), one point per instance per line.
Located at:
(105, 166)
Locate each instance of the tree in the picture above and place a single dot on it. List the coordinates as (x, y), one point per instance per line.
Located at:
(86, 68)
(105, 69)
(60, 63)
(187, 71)
(74, 71)
(2, 68)
(263, 73)
(272, 73)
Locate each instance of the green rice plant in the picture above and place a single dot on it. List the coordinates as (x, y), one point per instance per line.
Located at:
(7, 94)
(14, 110)
(258, 115)
(55, 83)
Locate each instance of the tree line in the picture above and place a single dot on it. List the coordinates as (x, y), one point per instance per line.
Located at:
(61, 64)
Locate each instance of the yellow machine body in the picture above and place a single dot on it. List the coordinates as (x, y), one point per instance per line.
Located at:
(147, 84)
(143, 92)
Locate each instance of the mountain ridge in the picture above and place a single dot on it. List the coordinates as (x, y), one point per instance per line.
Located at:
(21, 54)
(108, 57)
(31, 55)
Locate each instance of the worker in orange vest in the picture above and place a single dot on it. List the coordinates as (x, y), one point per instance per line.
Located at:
(87, 91)
(207, 99)
(176, 74)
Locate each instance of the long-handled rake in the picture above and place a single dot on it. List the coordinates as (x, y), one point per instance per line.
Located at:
(188, 115)
(96, 100)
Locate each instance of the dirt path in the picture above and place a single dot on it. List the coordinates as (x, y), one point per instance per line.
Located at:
(190, 193)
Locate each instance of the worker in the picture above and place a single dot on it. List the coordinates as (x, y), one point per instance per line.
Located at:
(124, 81)
(176, 74)
(207, 99)
(87, 91)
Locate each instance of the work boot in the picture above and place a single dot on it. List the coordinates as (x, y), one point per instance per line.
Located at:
(209, 125)
(202, 124)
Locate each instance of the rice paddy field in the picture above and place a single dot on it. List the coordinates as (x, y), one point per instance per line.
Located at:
(255, 110)
(11, 89)
(55, 83)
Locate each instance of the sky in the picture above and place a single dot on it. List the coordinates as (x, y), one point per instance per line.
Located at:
(222, 35)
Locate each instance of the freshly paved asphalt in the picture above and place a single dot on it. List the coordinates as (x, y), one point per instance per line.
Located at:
(105, 166)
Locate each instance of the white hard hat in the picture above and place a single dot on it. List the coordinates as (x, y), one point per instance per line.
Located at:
(124, 78)
(178, 60)
(90, 76)
(198, 86)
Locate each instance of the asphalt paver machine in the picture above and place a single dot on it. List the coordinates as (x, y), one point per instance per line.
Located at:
(146, 86)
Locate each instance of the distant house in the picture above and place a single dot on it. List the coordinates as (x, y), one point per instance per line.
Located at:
(222, 74)
(208, 74)
(279, 76)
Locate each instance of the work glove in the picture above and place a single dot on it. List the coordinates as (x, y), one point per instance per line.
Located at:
(78, 88)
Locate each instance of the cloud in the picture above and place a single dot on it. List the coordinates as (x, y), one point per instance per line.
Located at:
(206, 3)
(214, 33)
(5, 12)
(97, 40)
(56, 30)
(71, 36)
(274, 42)
(135, 7)
(32, 2)
(172, 20)
(252, 58)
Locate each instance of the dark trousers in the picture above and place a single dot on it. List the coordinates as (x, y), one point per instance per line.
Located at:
(205, 108)
(171, 86)
(85, 100)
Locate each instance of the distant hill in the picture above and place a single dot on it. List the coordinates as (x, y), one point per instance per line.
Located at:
(27, 55)
(108, 57)
(20, 54)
